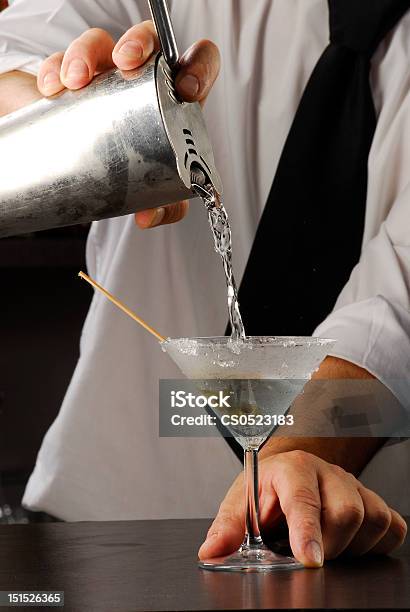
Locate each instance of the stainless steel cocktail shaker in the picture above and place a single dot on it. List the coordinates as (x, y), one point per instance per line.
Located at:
(122, 144)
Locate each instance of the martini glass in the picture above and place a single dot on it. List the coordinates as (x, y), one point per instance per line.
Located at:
(285, 364)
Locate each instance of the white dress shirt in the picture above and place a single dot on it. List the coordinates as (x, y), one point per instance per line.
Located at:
(102, 458)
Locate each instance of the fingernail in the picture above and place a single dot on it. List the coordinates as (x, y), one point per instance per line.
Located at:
(77, 69)
(159, 214)
(208, 541)
(189, 85)
(150, 218)
(51, 81)
(131, 49)
(314, 553)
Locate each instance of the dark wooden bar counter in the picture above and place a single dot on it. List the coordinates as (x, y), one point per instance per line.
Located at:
(151, 566)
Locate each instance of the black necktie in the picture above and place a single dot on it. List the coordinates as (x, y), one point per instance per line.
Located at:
(309, 237)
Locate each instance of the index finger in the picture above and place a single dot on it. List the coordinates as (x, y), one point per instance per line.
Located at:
(296, 485)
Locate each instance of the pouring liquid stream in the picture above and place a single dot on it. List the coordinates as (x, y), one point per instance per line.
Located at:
(221, 232)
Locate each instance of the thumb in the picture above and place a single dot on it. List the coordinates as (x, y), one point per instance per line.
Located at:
(224, 536)
(228, 529)
(199, 68)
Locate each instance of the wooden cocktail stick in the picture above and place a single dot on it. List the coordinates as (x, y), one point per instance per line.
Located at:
(122, 306)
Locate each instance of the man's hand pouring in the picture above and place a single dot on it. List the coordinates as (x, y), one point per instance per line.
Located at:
(95, 51)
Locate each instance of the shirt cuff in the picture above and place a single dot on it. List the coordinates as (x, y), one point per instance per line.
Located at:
(16, 60)
(375, 335)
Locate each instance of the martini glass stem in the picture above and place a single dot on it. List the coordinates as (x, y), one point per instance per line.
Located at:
(252, 535)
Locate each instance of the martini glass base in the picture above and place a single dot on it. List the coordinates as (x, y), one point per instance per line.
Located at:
(260, 559)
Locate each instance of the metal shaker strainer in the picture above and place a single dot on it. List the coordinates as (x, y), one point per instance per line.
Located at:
(123, 143)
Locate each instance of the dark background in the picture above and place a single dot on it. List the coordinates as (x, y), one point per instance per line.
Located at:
(42, 307)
